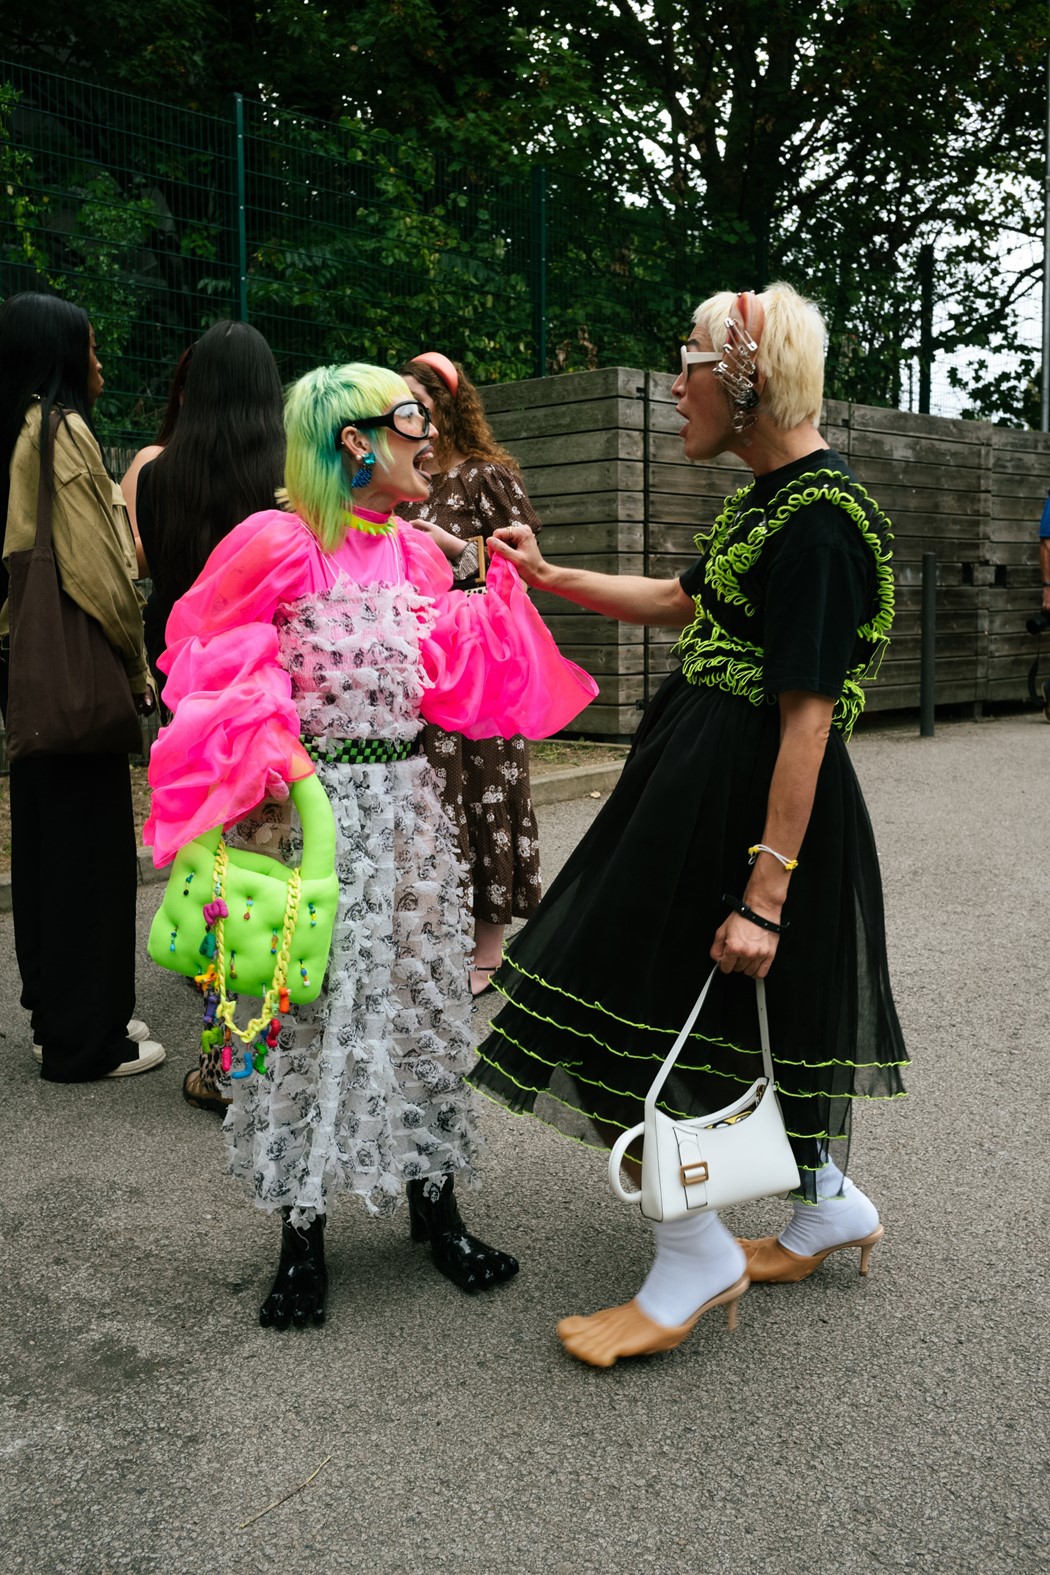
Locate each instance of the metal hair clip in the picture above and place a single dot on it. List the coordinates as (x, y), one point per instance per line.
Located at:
(737, 371)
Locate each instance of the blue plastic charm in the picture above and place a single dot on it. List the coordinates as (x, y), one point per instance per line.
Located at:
(247, 1069)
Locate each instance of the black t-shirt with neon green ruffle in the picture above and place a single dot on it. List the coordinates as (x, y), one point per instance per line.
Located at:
(812, 586)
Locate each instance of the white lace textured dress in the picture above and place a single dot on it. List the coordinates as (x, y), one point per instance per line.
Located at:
(367, 1091)
(280, 641)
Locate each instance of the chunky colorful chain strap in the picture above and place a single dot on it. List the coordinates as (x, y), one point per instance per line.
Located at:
(261, 1032)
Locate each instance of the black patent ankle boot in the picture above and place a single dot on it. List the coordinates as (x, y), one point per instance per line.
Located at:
(467, 1262)
(298, 1292)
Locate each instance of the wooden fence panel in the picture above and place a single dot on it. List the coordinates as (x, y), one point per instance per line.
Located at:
(604, 465)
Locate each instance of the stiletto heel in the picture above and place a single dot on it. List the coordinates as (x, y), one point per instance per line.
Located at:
(605, 1336)
(867, 1247)
(768, 1263)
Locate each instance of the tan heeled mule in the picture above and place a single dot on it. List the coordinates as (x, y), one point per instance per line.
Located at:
(768, 1263)
(603, 1337)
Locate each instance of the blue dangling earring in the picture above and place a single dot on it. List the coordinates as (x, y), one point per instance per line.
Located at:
(363, 475)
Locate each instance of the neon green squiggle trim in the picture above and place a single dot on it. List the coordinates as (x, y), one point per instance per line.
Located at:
(712, 657)
(493, 1098)
(571, 1069)
(629, 1055)
(603, 1011)
(743, 1079)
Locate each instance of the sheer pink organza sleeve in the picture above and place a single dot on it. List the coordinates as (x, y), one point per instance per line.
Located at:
(234, 739)
(492, 666)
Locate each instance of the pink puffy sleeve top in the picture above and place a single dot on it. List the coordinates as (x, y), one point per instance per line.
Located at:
(488, 666)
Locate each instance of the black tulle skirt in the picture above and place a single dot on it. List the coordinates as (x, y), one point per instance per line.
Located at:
(602, 977)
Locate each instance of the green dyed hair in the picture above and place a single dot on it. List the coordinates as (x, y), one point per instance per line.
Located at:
(317, 408)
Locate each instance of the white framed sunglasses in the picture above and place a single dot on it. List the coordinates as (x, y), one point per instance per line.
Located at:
(698, 358)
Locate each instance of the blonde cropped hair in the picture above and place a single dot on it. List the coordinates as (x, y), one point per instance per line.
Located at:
(790, 351)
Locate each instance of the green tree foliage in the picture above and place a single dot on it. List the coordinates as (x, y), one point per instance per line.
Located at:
(826, 142)
(688, 147)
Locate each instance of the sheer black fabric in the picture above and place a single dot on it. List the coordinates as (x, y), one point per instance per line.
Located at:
(602, 977)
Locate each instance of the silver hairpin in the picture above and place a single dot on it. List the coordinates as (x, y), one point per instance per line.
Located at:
(737, 371)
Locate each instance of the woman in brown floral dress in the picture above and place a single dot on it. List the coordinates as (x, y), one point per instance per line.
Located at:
(477, 488)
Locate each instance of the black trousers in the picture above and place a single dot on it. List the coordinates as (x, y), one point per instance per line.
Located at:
(73, 884)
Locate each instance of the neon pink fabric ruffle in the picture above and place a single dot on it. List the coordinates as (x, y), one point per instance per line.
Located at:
(494, 668)
(489, 664)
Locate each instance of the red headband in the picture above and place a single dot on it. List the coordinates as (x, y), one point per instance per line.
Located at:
(443, 367)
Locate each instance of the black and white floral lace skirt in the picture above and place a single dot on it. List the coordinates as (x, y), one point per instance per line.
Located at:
(365, 1091)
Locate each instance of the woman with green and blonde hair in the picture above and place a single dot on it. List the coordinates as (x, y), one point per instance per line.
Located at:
(318, 639)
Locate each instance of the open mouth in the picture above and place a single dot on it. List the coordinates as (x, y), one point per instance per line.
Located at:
(425, 453)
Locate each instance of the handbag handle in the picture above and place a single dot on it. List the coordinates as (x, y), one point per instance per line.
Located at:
(318, 822)
(625, 1139)
(763, 1028)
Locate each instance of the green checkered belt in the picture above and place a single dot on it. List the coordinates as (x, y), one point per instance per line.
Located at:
(362, 751)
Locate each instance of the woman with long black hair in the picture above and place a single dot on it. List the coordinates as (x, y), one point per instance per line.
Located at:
(223, 461)
(74, 926)
(129, 482)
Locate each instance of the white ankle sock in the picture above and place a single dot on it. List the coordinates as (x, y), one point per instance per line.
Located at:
(843, 1213)
(695, 1259)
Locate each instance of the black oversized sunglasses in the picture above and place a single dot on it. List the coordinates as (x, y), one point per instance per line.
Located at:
(411, 419)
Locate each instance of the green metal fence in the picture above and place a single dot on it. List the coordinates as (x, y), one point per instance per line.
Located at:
(336, 241)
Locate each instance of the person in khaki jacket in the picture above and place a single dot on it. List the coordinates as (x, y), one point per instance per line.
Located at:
(73, 864)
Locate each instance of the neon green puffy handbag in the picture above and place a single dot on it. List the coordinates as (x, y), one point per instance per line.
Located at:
(243, 924)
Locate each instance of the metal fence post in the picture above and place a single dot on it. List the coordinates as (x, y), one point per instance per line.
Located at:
(928, 652)
(538, 270)
(240, 232)
(925, 328)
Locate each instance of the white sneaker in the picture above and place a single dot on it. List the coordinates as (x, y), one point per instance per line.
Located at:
(150, 1054)
(137, 1030)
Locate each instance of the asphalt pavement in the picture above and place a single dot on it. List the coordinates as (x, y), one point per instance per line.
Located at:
(852, 1426)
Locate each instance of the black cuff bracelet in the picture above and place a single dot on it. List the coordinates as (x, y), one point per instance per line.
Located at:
(752, 917)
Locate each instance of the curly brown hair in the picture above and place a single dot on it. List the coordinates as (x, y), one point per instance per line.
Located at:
(461, 421)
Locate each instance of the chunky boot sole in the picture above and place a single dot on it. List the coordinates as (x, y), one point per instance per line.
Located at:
(297, 1295)
(469, 1263)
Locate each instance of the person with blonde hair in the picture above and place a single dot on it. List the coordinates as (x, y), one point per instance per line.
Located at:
(737, 833)
(319, 639)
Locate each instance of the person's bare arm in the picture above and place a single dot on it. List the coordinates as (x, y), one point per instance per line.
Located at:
(129, 487)
(452, 546)
(629, 598)
(805, 722)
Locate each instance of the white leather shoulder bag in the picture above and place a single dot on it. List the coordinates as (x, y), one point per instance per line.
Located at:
(708, 1162)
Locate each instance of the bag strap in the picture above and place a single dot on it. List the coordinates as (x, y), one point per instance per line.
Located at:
(763, 1029)
(43, 493)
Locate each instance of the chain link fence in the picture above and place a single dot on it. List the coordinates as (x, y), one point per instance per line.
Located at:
(336, 241)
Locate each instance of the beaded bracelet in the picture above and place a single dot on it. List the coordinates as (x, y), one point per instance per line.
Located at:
(738, 906)
(762, 847)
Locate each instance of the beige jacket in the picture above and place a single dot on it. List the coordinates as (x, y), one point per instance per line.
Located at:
(90, 533)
